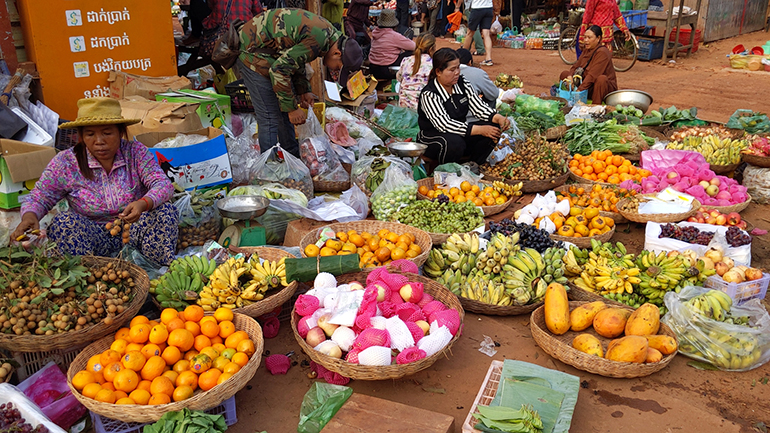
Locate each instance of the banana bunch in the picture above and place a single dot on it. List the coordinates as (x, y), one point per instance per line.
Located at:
(554, 265)
(499, 249)
(478, 288)
(454, 279)
(459, 252)
(616, 254)
(194, 264)
(574, 260)
(269, 275)
(507, 189)
(716, 150)
(376, 174)
(601, 277)
(226, 285)
(182, 282)
(713, 304)
(634, 300)
(661, 273)
(522, 276)
(272, 195)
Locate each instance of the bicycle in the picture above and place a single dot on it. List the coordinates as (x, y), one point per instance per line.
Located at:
(624, 53)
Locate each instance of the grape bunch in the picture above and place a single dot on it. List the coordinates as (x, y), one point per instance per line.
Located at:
(737, 237)
(441, 199)
(689, 234)
(12, 421)
(529, 235)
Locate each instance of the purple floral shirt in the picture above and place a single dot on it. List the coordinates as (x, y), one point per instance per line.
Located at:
(135, 174)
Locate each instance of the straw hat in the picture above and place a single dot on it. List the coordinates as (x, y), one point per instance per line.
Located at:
(387, 19)
(98, 111)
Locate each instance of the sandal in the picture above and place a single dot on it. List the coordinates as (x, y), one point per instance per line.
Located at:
(486, 63)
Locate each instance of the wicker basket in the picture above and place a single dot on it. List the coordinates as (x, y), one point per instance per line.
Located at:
(724, 169)
(39, 343)
(563, 104)
(373, 226)
(585, 242)
(532, 186)
(740, 207)
(658, 218)
(756, 160)
(577, 294)
(734, 134)
(479, 307)
(200, 401)
(556, 132)
(618, 218)
(560, 347)
(488, 210)
(653, 132)
(396, 371)
(580, 179)
(633, 157)
(330, 186)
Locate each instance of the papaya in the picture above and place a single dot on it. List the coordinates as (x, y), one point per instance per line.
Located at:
(582, 317)
(662, 343)
(589, 344)
(556, 309)
(644, 321)
(653, 355)
(631, 348)
(611, 322)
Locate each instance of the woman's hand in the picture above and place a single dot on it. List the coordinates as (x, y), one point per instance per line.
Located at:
(29, 222)
(297, 117)
(133, 211)
(488, 131)
(503, 121)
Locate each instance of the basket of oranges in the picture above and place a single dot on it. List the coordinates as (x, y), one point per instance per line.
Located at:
(581, 226)
(484, 195)
(601, 166)
(602, 197)
(376, 242)
(186, 360)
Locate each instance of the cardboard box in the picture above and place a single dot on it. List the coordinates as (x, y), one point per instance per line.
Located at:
(214, 109)
(123, 85)
(200, 165)
(160, 116)
(21, 164)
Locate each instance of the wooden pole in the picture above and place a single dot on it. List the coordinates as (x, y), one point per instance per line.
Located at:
(317, 80)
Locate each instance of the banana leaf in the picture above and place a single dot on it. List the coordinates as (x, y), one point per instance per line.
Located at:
(306, 269)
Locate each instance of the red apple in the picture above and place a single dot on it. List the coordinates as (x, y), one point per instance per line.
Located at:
(711, 220)
(692, 219)
(715, 213)
(721, 220)
(315, 337)
(702, 220)
(733, 218)
(742, 225)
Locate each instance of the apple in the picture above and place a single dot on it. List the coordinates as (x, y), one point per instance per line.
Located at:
(702, 220)
(721, 219)
(355, 285)
(424, 326)
(381, 292)
(303, 327)
(344, 337)
(715, 213)
(411, 293)
(721, 268)
(328, 328)
(672, 174)
(715, 181)
(315, 337)
(673, 253)
(712, 190)
(733, 218)
(329, 348)
(692, 219)
(705, 185)
(711, 220)
(742, 225)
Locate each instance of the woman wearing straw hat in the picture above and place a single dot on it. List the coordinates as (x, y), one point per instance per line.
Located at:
(104, 177)
(388, 46)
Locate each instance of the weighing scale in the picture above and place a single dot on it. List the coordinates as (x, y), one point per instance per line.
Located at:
(411, 153)
(246, 231)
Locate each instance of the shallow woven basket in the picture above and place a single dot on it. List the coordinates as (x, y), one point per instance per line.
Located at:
(560, 347)
(756, 161)
(734, 133)
(488, 210)
(395, 371)
(66, 340)
(373, 226)
(653, 132)
(577, 294)
(585, 242)
(556, 132)
(633, 157)
(658, 218)
(724, 169)
(479, 307)
(330, 186)
(532, 186)
(580, 179)
(618, 218)
(740, 207)
(200, 401)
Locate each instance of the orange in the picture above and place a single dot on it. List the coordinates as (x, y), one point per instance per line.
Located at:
(171, 355)
(140, 396)
(112, 370)
(83, 378)
(133, 347)
(125, 400)
(220, 362)
(382, 254)
(208, 379)
(149, 350)
(126, 380)
(94, 364)
(231, 368)
(171, 374)
(217, 340)
(193, 313)
(187, 378)
(181, 365)
(236, 337)
(246, 346)
(226, 328)
(139, 333)
(223, 377)
(312, 250)
(137, 320)
(167, 315)
(162, 385)
(397, 254)
(182, 393)
(91, 390)
(105, 396)
(174, 324)
(190, 354)
(144, 384)
(119, 346)
(153, 323)
(134, 361)
(201, 342)
(181, 338)
(241, 359)
(159, 399)
(153, 368)
(108, 385)
(122, 334)
(158, 334)
(416, 248)
(193, 327)
(210, 352)
(219, 347)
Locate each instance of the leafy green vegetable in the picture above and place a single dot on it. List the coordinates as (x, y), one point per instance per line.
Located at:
(187, 421)
(506, 419)
(586, 137)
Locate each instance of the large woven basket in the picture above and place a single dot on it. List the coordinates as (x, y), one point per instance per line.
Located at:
(580, 179)
(724, 169)
(618, 218)
(202, 400)
(740, 207)
(373, 226)
(577, 294)
(658, 218)
(479, 307)
(560, 347)
(556, 132)
(532, 186)
(653, 132)
(585, 242)
(42, 343)
(396, 371)
(488, 210)
(330, 186)
(440, 238)
(756, 160)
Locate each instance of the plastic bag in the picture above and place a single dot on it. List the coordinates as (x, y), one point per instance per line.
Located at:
(244, 149)
(369, 171)
(396, 191)
(510, 95)
(275, 165)
(311, 127)
(338, 134)
(321, 160)
(496, 27)
(181, 140)
(320, 404)
(400, 121)
(356, 199)
(275, 220)
(749, 121)
(371, 148)
(48, 389)
(196, 226)
(356, 128)
(453, 177)
(741, 255)
(727, 346)
(273, 191)
(345, 155)
(757, 182)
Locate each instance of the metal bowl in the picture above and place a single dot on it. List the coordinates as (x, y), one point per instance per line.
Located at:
(407, 148)
(637, 98)
(394, 69)
(243, 207)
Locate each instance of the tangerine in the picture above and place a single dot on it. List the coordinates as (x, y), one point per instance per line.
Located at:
(171, 374)
(241, 359)
(182, 393)
(134, 360)
(162, 385)
(125, 400)
(171, 355)
(167, 315)
(226, 329)
(150, 350)
(187, 378)
(217, 340)
(119, 346)
(201, 342)
(181, 365)
(174, 324)
(140, 396)
(157, 399)
(139, 333)
(193, 313)
(145, 385)
(111, 370)
(219, 347)
(158, 334)
(193, 327)
(210, 352)
(234, 338)
(231, 368)
(105, 396)
(83, 378)
(181, 338)
(312, 250)
(223, 377)
(208, 379)
(126, 380)
(91, 389)
(153, 368)
(190, 354)
(138, 320)
(94, 364)
(108, 385)
(122, 333)
(133, 347)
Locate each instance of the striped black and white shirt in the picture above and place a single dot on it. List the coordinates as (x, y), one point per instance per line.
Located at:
(442, 113)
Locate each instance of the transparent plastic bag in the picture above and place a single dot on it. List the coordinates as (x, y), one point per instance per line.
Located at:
(356, 199)
(356, 128)
(275, 165)
(196, 226)
(321, 159)
(311, 127)
(320, 404)
(273, 191)
(757, 183)
(396, 191)
(363, 170)
(452, 175)
(496, 27)
(345, 155)
(181, 140)
(727, 346)
(244, 150)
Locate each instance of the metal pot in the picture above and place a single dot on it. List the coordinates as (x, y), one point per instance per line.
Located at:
(637, 98)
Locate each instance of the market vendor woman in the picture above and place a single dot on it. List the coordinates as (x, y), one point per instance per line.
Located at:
(597, 75)
(442, 110)
(104, 177)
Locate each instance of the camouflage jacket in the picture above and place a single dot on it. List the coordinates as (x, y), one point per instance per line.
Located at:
(279, 42)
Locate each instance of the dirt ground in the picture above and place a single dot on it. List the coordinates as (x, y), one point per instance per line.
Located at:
(678, 399)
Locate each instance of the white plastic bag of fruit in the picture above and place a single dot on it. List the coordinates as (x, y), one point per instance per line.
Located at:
(652, 242)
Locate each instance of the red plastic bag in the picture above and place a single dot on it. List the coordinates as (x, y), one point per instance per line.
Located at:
(49, 390)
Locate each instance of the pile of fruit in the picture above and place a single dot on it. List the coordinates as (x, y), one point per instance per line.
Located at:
(729, 272)
(117, 227)
(759, 146)
(202, 225)
(504, 274)
(581, 223)
(603, 166)
(374, 250)
(6, 369)
(481, 195)
(689, 234)
(535, 159)
(11, 421)
(385, 204)
(714, 217)
(43, 294)
(441, 216)
(716, 150)
(239, 283)
(505, 81)
(718, 131)
(152, 363)
(182, 282)
(634, 336)
(600, 197)
(529, 235)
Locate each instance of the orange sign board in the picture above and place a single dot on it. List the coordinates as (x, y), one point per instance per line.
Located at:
(75, 43)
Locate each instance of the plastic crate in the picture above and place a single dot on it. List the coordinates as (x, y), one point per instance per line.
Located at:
(635, 18)
(684, 38)
(551, 44)
(485, 396)
(240, 100)
(32, 362)
(740, 292)
(650, 48)
(65, 138)
(106, 425)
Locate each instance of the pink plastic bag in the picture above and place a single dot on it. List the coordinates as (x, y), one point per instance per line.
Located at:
(665, 160)
(49, 390)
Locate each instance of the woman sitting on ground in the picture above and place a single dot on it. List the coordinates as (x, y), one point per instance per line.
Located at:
(414, 72)
(389, 47)
(594, 67)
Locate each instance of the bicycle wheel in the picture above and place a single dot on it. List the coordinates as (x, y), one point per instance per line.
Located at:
(567, 43)
(624, 53)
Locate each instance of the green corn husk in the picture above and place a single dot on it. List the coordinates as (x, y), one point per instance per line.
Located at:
(306, 269)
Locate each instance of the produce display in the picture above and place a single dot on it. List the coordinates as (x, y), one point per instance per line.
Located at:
(199, 352)
(529, 235)
(535, 122)
(726, 269)
(714, 217)
(199, 221)
(185, 274)
(526, 104)
(374, 250)
(581, 223)
(437, 216)
(239, 283)
(718, 131)
(481, 195)
(46, 295)
(716, 150)
(586, 137)
(759, 146)
(603, 166)
(600, 197)
(689, 234)
(11, 421)
(506, 81)
(535, 159)
(376, 174)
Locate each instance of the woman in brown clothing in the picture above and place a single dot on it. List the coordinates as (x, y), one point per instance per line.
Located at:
(594, 67)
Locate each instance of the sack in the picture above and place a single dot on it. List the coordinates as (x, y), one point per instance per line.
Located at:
(319, 405)
(496, 26)
(727, 346)
(396, 191)
(227, 47)
(275, 165)
(757, 183)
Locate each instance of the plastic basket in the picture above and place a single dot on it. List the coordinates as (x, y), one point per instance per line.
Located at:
(635, 18)
(684, 38)
(65, 138)
(485, 396)
(650, 47)
(574, 96)
(740, 292)
(32, 362)
(240, 100)
(106, 425)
